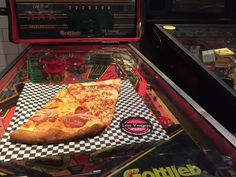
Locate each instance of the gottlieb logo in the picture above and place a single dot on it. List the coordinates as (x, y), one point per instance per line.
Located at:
(171, 171)
(136, 126)
(70, 33)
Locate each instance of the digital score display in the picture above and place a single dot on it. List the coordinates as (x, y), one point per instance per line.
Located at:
(40, 19)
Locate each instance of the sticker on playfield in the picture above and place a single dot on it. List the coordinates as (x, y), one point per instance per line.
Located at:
(137, 126)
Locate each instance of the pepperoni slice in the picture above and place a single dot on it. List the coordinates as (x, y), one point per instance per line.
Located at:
(38, 118)
(43, 115)
(107, 102)
(74, 121)
(87, 98)
(56, 99)
(75, 90)
(81, 110)
(52, 119)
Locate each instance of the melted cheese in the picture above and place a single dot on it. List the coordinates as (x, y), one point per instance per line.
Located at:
(69, 104)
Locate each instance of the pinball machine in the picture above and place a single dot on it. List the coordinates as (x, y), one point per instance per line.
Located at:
(83, 41)
(204, 52)
(196, 39)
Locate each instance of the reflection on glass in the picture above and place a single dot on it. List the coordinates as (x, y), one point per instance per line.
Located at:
(200, 6)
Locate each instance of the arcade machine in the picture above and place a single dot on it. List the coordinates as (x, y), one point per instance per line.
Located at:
(193, 43)
(83, 41)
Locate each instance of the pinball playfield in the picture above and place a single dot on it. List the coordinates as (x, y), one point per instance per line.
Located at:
(58, 65)
(70, 64)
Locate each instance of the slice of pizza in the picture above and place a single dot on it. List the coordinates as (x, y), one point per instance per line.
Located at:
(78, 111)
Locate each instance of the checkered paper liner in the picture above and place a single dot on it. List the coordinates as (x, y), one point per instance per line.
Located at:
(34, 96)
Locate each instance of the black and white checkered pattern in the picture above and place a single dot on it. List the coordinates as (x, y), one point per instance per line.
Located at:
(34, 96)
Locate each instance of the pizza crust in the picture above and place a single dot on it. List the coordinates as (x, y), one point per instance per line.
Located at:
(55, 134)
(106, 82)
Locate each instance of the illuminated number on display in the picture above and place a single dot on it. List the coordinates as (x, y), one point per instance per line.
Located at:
(77, 7)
